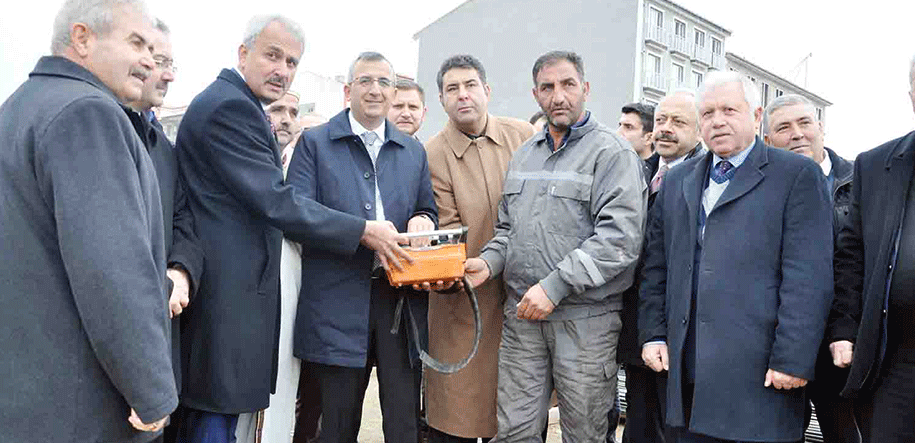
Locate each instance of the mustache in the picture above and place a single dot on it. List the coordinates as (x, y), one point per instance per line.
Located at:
(666, 137)
(278, 80)
(140, 71)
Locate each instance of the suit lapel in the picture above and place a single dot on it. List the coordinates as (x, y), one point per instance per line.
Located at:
(747, 176)
(692, 193)
(898, 176)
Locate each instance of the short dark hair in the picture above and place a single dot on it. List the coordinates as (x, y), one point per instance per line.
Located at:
(405, 84)
(537, 116)
(460, 61)
(368, 56)
(645, 112)
(554, 56)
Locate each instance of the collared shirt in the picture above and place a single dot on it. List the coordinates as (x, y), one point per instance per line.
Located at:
(826, 164)
(662, 163)
(578, 124)
(714, 190)
(263, 104)
(373, 150)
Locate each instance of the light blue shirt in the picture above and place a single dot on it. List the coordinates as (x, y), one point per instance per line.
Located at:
(714, 190)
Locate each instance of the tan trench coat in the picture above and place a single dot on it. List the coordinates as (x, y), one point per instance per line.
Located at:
(467, 180)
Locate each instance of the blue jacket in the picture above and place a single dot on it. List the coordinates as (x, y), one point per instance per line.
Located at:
(332, 166)
(228, 159)
(764, 291)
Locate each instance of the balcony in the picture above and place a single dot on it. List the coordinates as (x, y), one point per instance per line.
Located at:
(656, 35)
(717, 61)
(680, 46)
(655, 81)
(702, 54)
(676, 83)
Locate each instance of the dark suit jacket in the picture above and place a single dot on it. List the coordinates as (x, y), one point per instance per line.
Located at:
(83, 318)
(182, 247)
(764, 291)
(629, 352)
(228, 160)
(332, 166)
(866, 252)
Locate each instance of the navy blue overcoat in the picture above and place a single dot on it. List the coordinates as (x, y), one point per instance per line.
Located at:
(332, 166)
(764, 289)
(228, 159)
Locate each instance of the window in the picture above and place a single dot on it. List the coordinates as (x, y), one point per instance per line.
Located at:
(716, 46)
(697, 78)
(655, 17)
(680, 74)
(700, 39)
(654, 63)
(680, 29)
(819, 114)
(779, 93)
(764, 92)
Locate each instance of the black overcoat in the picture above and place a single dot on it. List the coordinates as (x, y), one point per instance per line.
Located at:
(866, 251)
(228, 160)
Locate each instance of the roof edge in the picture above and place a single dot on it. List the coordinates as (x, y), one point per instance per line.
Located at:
(733, 56)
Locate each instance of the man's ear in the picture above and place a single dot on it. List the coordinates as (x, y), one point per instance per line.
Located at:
(81, 39)
(242, 57)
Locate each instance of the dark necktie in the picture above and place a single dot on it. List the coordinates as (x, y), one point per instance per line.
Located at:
(723, 172)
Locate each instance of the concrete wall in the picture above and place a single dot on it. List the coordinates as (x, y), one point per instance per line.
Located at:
(507, 36)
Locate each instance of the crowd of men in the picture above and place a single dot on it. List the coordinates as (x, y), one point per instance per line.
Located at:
(232, 286)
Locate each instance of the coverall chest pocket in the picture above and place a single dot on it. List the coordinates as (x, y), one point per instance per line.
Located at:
(511, 191)
(570, 209)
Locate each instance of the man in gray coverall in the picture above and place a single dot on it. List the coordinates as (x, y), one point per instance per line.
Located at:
(569, 232)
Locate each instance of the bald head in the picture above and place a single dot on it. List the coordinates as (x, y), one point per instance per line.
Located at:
(676, 125)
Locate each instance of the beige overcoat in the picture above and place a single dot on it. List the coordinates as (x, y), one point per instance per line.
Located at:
(467, 180)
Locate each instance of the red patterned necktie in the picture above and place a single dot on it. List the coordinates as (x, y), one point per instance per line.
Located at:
(658, 178)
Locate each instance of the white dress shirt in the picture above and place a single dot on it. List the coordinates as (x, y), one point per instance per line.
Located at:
(373, 150)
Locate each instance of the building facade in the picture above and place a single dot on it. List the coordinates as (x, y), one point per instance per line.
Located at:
(679, 49)
(634, 51)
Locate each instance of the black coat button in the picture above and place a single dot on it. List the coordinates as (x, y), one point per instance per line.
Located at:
(368, 207)
(367, 175)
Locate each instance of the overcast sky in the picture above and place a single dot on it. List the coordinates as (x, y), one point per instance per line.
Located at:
(859, 63)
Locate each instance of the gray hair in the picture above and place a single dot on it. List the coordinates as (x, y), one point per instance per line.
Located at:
(97, 15)
(257, 24)
(161, 26)
(369, 56)
(718, 78)
(784, 101)
(912, 72)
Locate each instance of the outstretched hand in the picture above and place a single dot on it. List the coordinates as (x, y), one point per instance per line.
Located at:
(382, 237)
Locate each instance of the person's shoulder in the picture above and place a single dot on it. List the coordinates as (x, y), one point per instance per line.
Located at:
(608, 140)
(437, 144)
(881, 153)
(516, 126)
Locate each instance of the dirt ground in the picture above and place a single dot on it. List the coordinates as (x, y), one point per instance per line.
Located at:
(370, 432)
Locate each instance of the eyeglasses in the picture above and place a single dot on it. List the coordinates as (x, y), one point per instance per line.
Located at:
(366, 82)
(165, 63)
